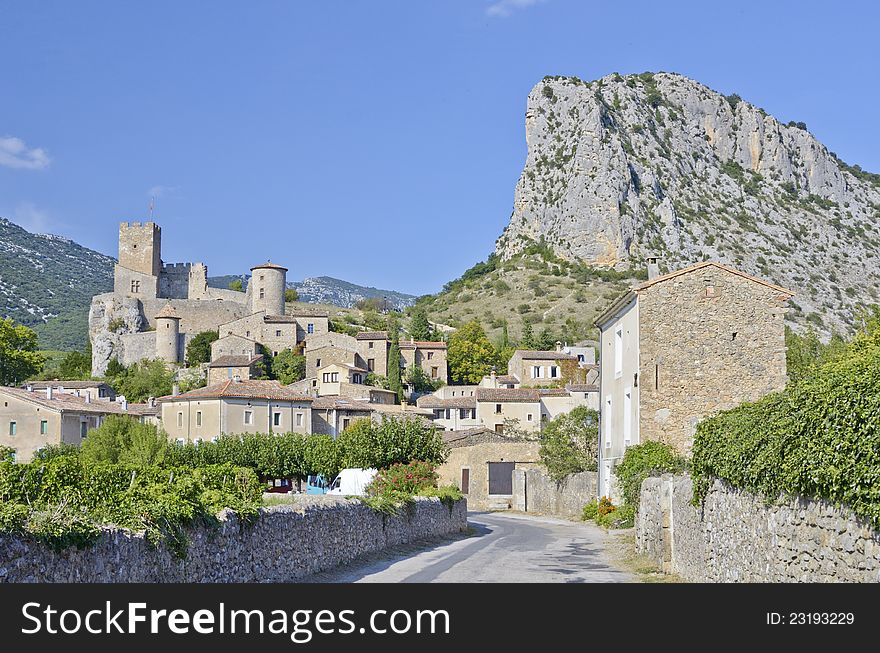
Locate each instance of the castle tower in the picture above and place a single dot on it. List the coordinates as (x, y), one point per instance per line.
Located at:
(140, 247)
(168, 335)
(266, 288)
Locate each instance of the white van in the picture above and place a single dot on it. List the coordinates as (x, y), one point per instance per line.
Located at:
(352, 482)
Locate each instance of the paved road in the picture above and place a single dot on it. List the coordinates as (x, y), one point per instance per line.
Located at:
(504, 548)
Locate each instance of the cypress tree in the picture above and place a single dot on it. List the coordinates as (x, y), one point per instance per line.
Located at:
(394, 380)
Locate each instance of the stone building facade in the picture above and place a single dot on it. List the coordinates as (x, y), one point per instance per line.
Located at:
(481, 464)
(235, 406)
(681, 347)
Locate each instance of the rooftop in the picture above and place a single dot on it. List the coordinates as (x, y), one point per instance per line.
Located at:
(372, 335)
(582, 387)
(501, 395)
(67, 385)
(245, 389)
(167, 312)
(65, 402)
(430, 401)
(270, 265)
(417, 344)
(532, 354)
(235, 361)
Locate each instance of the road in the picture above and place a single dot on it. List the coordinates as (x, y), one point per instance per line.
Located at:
(504, 548)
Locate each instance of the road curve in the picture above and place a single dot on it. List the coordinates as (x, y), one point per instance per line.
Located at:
(505, 548)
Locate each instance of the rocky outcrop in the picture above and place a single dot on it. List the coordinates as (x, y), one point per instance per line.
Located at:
(111, 316)
(627, 167)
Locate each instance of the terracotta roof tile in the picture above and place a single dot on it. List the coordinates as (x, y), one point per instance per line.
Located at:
(167, 312)
(430, 401)
(500, 395)
(66, 402)
(235, 361)
(269, 264)
(245, 389)
(372, 335)
(531, 354)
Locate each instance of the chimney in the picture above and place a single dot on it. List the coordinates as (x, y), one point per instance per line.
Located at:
(88, 397)
(124, 403)
(151, 402)
(30, 388)
(49, 392)
(175, 389)
(236, 379)
(60, 388)
(653, 268)
(558, 345)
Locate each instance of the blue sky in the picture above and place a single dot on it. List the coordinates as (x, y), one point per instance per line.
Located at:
(379, 142)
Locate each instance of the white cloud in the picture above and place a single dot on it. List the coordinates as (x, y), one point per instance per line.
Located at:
(162, 191)
(35, 220)
(503, 8)
(15, 154)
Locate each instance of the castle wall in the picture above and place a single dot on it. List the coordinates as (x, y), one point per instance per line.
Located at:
(174, 280)
(131, 283)
(196, 315)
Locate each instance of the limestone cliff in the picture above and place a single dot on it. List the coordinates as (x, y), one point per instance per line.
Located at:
(627, 167)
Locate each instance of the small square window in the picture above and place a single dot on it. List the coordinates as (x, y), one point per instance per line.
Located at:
(248, 417)
(198, 418)
(278, 333)
(310, 328)
(299, 419)
(44, 427)
(276, 419)
(370, 344)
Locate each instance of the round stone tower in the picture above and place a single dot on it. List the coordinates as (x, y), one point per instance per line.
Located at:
(168, 335)
(266, 288)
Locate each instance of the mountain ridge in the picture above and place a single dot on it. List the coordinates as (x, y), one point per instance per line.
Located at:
(657, 164)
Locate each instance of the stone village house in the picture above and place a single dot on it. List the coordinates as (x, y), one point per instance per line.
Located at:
(680, 347)
(54, 414)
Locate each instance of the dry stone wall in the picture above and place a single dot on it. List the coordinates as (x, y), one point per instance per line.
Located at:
(287, 543)
(734, 536)
(534, 491)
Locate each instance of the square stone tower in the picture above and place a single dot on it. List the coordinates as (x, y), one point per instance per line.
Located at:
(140, 247)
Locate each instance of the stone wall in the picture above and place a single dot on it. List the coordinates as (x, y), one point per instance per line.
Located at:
(735, 537)
(534, 491)
(709, 340)
(286, 543)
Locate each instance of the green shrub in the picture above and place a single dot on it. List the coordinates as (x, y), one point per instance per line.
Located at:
(642, 461)
(591, 510)
(621, 517)
(407, 478)
(819, 438)
(570, 443)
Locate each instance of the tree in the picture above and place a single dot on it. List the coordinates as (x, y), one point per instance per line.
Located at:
(570, 443)
(121, 439)
(394, 381)
(236, 285)
(419, 327)
(198, 350)
(805, 354)
(546, 341)
(470, 354)
(528, 337)
(290, 295)
(19, 358)
(146, 378)
(289, 367)
(76, 365)
(418, 380)
(395, 440)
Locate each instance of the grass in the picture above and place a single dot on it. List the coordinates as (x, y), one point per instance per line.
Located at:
(622, 551)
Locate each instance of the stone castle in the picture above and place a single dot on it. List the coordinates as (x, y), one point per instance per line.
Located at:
(156, 308)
